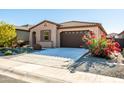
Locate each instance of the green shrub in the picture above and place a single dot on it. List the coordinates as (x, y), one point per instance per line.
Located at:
(8, 52)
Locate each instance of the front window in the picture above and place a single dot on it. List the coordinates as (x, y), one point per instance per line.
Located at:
(46, 35)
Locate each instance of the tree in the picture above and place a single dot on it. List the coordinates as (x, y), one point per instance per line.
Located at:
(7, 34)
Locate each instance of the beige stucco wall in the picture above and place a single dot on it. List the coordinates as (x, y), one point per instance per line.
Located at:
(100, 33)
(44, 26)
(22, 35)
(95, 29)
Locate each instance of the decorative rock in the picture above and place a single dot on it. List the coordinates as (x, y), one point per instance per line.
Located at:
(14, 53)
(99, 66)
(37, 47)
(1, 54)
(117, 57)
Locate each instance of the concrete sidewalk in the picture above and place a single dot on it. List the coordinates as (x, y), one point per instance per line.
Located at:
(41, 60)
(40, 73)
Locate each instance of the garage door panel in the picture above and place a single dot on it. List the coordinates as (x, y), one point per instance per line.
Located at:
(71, 39)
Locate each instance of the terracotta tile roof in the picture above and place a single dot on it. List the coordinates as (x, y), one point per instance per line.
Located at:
(68, 24)
(77, 23)
(81, 24)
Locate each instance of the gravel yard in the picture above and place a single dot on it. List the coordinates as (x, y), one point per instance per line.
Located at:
(98, 66)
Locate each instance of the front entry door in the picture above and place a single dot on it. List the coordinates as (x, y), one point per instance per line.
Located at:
(34, 38)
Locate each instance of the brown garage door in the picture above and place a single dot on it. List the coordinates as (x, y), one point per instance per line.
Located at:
(71, 39)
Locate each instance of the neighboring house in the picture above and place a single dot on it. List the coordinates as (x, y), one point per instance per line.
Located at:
(23, 32)
(118, 38)
(112, 35)
(121, 35)
(67, 34)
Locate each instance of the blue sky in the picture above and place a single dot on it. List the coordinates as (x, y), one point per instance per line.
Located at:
(112, 20)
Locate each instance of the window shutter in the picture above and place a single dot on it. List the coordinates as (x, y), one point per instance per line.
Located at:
(49, 35)
(41, 35)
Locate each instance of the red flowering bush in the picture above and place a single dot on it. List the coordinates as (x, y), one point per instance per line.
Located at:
(101, 47)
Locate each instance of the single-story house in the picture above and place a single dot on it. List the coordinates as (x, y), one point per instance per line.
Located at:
(113, 35)
(67, 34)
(121, 35)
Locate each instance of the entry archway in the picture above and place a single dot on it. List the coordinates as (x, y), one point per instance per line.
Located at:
(33, 38)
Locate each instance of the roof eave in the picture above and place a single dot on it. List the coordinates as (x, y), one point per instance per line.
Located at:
(81, 22)
(121, 33)
(76, 26)
(101, 27)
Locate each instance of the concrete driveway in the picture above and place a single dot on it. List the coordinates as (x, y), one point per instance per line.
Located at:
(70, 53)
(53, 57)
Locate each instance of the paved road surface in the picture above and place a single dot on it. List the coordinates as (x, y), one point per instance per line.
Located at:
(6, 79)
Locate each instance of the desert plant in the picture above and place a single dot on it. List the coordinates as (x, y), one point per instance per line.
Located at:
(7, 34)
(101, 47)
(8, 52)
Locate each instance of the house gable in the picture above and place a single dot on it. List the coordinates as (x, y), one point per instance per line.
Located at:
(45, 21)
(40, 30)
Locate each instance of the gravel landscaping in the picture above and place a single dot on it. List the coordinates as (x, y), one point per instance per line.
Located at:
(97, 65)
(14, 51)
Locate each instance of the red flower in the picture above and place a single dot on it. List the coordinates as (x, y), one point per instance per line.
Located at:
(117, 44)
(107, 51)
(93, 36)
(88, 42)
(81, 45)
(83, 36)
(117, 49)
(103, 47)
(111, 37)
(91, 33)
